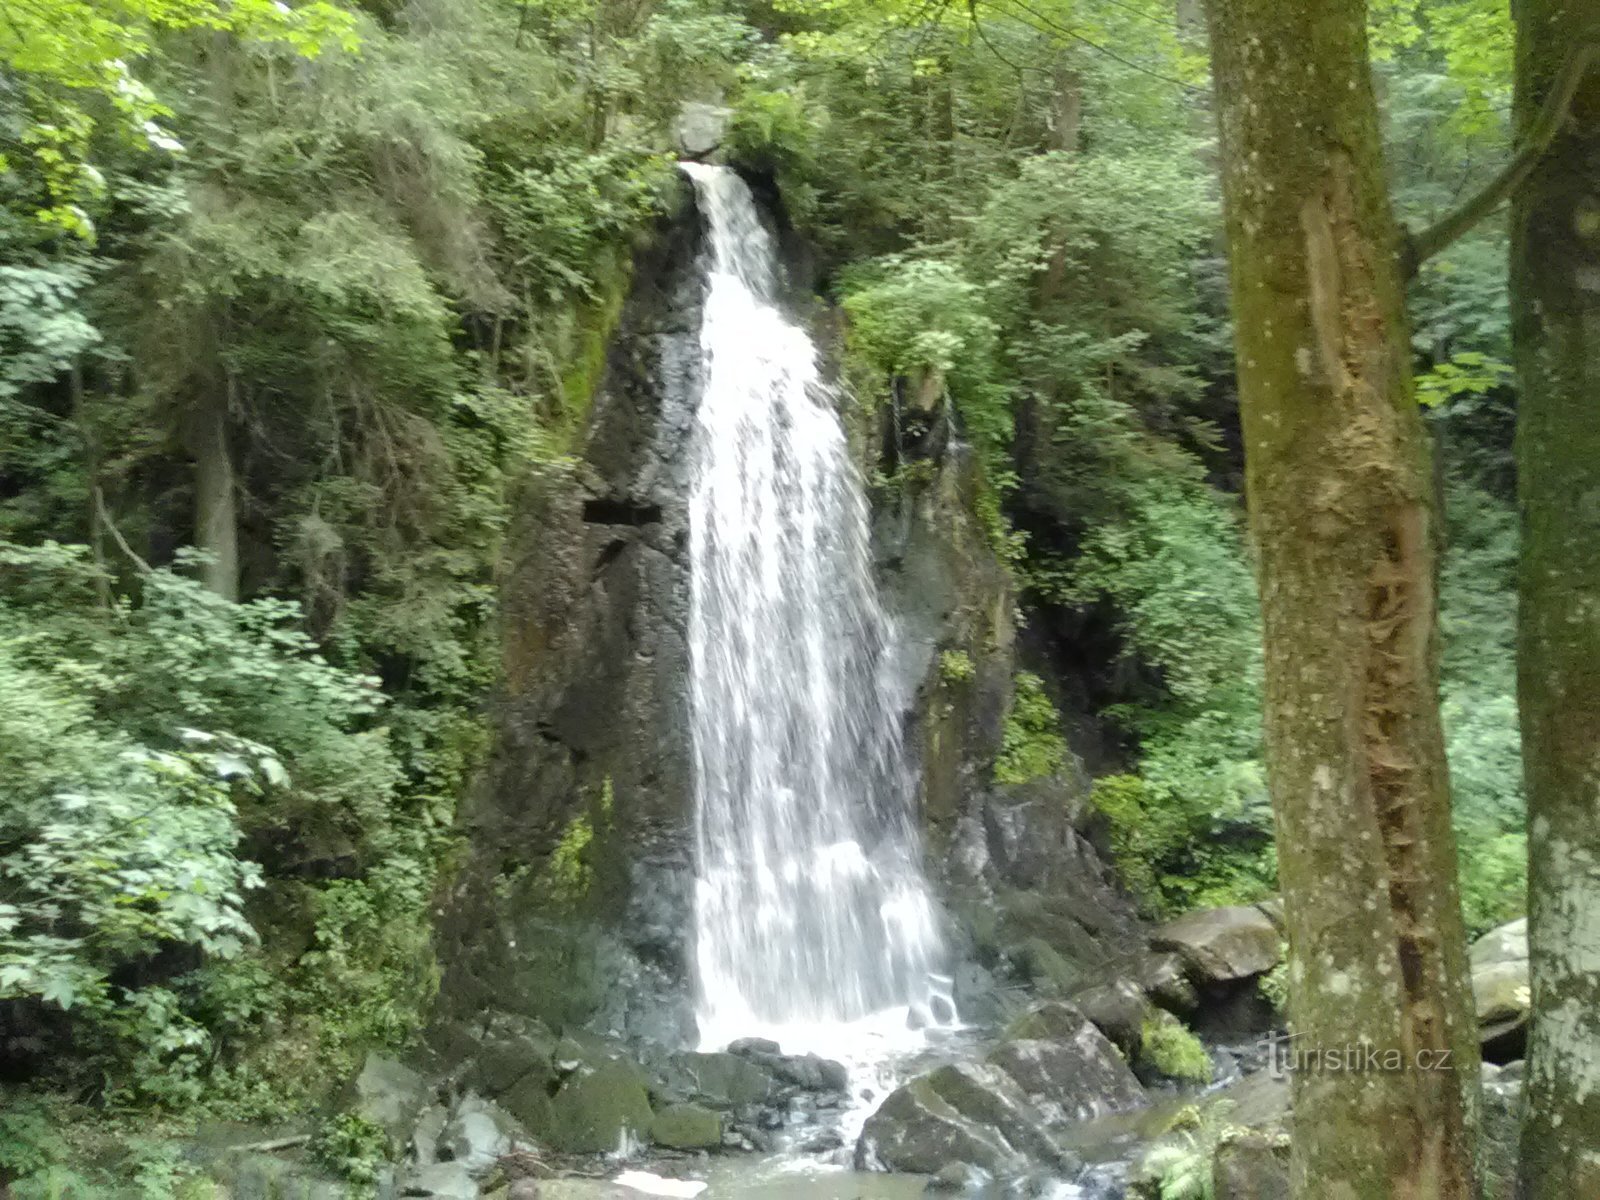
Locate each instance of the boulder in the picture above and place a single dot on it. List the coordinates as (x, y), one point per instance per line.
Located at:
(1118, 1009)
(476, 1135)
(1052, 1019)
(1220, 945)
(1250, 1165)
(1070, 1080)
(805, 1072)
(509, 1055)
(700, 128)
(717, 1080)
(975, 994)
(1509, 943)
(687, 1127)
(441, 1181)
(962, 1113)
(1499, 961)
(599, 1109)
(390, 1095)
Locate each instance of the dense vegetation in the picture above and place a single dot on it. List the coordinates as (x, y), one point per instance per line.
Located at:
(335, 280)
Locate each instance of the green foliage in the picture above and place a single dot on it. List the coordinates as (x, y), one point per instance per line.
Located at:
(1174, 1051)
(1274, 985)
(352, 1147)
(1031, 746)
(956, 667)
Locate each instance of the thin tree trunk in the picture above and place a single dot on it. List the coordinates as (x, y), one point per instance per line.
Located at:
(216, 521)
(1341, 511)
(1556, 332)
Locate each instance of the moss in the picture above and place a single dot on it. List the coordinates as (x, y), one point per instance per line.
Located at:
(1167, 1046)
(1031, 746)
(583, 350)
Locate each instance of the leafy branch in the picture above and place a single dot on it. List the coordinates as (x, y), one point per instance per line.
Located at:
(1420, 247)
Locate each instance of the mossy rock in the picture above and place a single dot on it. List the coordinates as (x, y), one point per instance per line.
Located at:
(687, 1127)
(1168, 1049)
(598, 1110)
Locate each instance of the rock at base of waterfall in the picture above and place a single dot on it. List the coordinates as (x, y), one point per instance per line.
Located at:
(476, 1134)
(963, 1113)
(802, 1072)
(601, 1109)
(389, 1095)
(440, 1181)
(1118, 1009)
(717, 1080)
(687, 1127)
(1070, 1080)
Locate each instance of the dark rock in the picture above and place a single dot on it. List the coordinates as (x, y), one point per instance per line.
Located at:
(755, 1046)
(717, 1080)
(687, 1127)
(1251, 1166)
(1220, 945)
(501, 1063)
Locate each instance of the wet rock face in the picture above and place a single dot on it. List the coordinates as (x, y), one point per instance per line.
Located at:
(574, 901)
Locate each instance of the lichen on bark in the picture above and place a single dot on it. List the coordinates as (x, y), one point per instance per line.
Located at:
(1556, 316)
(1342, 514)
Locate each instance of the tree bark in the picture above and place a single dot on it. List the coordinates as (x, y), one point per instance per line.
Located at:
(216, 520)
(1556, 334)
(1342, 514)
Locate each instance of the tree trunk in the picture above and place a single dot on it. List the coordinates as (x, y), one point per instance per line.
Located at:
(216, 522)
(1342, 514)
(1556, 332)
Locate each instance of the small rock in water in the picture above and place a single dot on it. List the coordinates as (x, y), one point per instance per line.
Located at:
(754, 1045)
(958, 1177)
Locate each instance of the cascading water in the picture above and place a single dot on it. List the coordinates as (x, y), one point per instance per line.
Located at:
(812, 916)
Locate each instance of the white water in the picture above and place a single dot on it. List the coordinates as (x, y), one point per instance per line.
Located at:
(813, 922)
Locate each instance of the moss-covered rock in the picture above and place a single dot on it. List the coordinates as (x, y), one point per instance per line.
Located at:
(601, 1108)
(687, 1127)
(1169, 1050)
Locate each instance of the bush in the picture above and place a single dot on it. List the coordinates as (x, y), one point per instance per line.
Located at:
(1169, 1047)
(1031, 746)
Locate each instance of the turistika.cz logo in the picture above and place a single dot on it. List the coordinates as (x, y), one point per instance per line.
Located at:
(1287, 1054)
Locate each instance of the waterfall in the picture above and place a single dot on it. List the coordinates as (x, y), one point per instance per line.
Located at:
(811, 910)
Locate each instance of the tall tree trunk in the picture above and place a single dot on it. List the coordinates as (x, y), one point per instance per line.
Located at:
(1341, 510)
(1556, 331)
(216, 521)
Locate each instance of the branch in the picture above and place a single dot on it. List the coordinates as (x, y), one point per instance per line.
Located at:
(116, 534)
(1420, 247)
